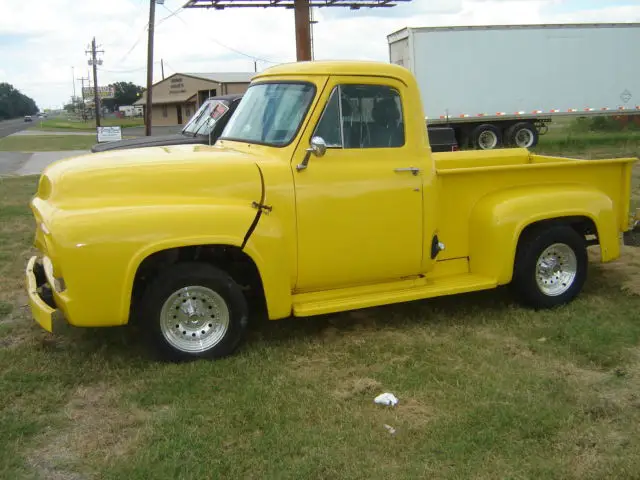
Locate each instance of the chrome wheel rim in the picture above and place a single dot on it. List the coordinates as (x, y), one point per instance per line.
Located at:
(194, 319)
(556, 269)
(487, 140)
(524, 138)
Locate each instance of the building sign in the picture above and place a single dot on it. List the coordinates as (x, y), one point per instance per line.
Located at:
(109, 134)
(176, 86)
(103, 92)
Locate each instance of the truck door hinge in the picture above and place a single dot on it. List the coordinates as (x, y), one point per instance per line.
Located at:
(262, 207)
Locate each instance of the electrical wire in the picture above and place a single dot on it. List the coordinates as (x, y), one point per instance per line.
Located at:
(252, 57)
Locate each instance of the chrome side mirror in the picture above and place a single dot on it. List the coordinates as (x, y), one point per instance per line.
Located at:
(318, 148)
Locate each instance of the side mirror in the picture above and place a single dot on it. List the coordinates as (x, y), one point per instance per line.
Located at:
(318, 148)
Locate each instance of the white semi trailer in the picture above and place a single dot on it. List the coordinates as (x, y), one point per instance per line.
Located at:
(500, 85)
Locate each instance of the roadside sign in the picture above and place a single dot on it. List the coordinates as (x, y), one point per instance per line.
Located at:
(109, 134)
(103, 92)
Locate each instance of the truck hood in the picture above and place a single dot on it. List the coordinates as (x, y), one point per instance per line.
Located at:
(175, 175)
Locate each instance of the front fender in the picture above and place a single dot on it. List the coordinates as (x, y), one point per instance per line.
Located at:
(498, 220)
(100, 262)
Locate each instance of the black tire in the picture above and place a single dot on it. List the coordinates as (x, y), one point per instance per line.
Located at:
(167, 283)
(482, 130)
(513, 135)
(530, 247)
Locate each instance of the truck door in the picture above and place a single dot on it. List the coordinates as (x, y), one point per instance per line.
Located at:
(359, 205)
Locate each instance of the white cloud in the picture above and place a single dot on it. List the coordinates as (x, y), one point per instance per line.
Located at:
(41, 40)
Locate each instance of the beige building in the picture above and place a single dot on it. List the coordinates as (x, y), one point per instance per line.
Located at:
(177, 97)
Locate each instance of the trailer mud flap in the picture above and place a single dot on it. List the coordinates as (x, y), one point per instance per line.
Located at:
(260, 206)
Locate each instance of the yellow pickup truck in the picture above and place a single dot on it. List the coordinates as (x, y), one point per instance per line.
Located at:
(322, 195)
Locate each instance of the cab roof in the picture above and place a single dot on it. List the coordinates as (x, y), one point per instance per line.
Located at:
(339, 67)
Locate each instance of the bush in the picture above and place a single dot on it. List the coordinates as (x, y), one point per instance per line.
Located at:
(617, 123)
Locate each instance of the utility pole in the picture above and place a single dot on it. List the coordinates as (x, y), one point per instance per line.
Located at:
(152, 16)
(255, 65)
(82, 79)
(94, 61)
(73, 79)
(162, 67)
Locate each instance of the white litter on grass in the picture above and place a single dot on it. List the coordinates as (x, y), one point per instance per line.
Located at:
(386, 399)
(391, 430)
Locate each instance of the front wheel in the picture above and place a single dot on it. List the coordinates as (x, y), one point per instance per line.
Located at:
(194, 310)
(550, 267)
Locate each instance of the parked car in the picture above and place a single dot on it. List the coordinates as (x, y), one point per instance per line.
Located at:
(321, 195)
(204, 127)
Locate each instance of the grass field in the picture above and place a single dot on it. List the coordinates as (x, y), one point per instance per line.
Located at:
(487, 389)
(45, 143)
(74, 124)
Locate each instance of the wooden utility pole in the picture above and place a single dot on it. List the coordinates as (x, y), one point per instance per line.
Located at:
(303, 30)
(94, 63)
(152, 16)
(162, 67)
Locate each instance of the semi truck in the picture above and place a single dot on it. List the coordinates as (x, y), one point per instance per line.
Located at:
(501, 85)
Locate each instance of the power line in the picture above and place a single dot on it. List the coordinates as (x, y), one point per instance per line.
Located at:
(135, 44)
(252, 57)
(171, 14)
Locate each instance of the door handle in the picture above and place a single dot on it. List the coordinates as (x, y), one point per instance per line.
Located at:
(414, 170)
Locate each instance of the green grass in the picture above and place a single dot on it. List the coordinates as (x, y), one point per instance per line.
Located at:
(487, 389)
(592, 138)
(75, 124)
(44, 143)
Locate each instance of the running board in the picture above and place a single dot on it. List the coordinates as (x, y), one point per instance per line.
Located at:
(331, 301)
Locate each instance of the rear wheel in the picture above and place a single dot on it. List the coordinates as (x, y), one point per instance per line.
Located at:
(194, 310)
(486, 137)
(522, 135)
(550, 267)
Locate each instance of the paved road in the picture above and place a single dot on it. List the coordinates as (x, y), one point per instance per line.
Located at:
(7, 127)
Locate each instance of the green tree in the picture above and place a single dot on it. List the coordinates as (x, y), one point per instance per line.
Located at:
(126, 93)
(14, 104)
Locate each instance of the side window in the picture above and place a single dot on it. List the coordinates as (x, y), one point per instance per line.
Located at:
(367, 116)
(329, 125)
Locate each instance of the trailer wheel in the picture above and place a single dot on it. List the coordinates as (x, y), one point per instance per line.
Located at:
(522, 135)
(486, 137)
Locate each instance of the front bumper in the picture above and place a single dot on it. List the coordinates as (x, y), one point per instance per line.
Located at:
(41, 301)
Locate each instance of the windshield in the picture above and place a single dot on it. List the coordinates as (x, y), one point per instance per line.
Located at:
(205, 118)
(270, 113)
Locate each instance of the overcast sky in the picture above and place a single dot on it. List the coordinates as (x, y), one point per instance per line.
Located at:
(41, 40)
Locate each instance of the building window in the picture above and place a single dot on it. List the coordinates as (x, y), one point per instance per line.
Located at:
(164, 111)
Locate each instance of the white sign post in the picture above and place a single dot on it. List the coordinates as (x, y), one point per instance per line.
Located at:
(109, 134)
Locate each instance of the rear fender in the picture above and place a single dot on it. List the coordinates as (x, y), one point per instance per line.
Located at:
(499, 219)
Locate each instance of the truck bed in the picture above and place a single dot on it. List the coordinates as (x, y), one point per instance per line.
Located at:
(467, 176)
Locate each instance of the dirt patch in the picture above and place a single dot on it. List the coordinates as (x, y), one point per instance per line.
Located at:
(98, 427)
(357, 386)
(625, 271)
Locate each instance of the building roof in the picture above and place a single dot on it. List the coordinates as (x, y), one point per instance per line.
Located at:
(224, 77)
